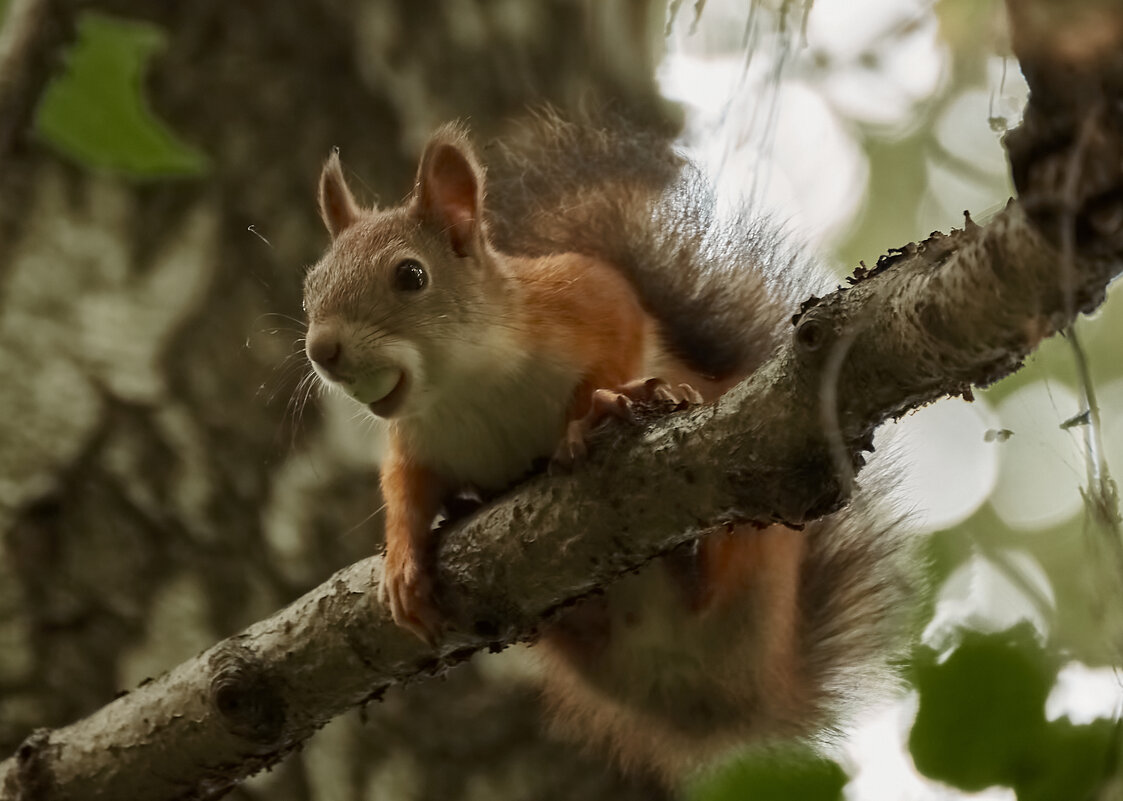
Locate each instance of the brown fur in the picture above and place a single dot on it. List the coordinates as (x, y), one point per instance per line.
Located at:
(581, 307)
(795, 631)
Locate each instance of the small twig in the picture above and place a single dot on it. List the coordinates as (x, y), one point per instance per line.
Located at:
(30, 37)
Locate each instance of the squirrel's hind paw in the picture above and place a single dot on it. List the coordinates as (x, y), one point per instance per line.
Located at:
(605, 403)
(618, 403)
(656, 389)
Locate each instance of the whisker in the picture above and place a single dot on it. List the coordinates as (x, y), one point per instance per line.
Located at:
(364, 521)
(295, 407)
(254, 231)
(286, 374)
(303, 325)
(279, 378)
(311, 385)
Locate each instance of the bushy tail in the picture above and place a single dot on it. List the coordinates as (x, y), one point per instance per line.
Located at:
(725, 290)
(720, 286)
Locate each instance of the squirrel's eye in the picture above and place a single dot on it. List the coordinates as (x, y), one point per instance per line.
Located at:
(410, 276)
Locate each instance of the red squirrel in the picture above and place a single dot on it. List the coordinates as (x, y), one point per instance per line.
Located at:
(493, 319)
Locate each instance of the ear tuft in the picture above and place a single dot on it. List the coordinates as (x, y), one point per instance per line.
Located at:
(337, 205)
(450, 189)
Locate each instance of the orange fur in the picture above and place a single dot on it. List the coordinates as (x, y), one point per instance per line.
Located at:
(413, 495)
(667, 684)
(767, 560)
(583, 311)
(568, 310)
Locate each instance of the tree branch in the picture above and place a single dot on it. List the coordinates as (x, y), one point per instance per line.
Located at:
(931, 319)
(922, 325)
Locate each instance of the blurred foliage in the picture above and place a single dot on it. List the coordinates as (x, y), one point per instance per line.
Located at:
(981, 721)
(773, 775)
(95, 112)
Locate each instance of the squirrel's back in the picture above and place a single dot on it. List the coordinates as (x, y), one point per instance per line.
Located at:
(722, 287)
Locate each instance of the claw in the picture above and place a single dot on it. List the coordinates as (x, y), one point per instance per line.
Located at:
(615, 404)
(656, 389)
(690, 395)
(407, 590)
(572, 448)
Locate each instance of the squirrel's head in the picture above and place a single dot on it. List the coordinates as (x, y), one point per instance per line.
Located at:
(406, 299)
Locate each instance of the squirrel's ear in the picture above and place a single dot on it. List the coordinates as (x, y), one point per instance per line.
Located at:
(337, 205)
(450, 190)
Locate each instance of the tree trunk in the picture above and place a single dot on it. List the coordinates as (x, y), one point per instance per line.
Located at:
(162, 484)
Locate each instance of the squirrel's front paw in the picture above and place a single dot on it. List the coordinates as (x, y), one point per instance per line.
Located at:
(407, 588)
(647, 390)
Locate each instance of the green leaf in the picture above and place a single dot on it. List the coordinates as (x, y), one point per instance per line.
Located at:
(772, 775)
(96, 113)
(1074, 762)
(981, 720)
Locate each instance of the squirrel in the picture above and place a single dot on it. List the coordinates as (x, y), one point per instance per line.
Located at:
(495, 318)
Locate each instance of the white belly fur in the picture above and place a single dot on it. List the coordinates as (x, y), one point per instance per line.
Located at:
(490, 433)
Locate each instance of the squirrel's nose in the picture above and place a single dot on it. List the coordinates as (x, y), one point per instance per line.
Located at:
(324, 348)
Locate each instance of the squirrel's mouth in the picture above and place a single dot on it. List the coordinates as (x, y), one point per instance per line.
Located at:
(389, 403)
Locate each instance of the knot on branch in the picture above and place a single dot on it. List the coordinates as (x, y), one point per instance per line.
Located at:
(811, 334)
(32, 777)
(819, 330)
(245, 696)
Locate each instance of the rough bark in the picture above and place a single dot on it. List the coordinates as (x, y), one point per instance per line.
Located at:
(156, 492)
